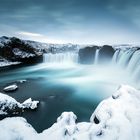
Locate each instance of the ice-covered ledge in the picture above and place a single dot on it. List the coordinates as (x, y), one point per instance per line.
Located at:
(116, 118)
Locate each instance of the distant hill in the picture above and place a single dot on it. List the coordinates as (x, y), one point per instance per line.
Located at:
(14, 50)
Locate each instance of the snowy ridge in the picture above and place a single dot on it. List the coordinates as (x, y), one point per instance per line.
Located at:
(116, 118)
(13, 50)
(125, 46)
(41, 46)
(22, 54)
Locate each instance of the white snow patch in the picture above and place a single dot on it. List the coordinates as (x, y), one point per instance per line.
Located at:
(16, 129)
(118, 116)
(22, 81)
(11, 87)
(22, 54)
(9, 104)
(30, 104)
(3, 41)
(4, 62)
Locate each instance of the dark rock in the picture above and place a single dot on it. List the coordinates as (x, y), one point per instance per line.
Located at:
(87, 55)
(99, 133)
(106, 54)
(16, 49)
(96, 120)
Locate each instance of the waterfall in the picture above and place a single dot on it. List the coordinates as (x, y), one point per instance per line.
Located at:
(66, 57)
(129, 60)
(133, 63)
(115, 56)
(96, 56)
(125, 57)
(121, 52)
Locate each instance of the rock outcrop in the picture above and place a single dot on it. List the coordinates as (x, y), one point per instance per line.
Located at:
(106, 53)
(13, 49)
(9, 106)
(87, 55)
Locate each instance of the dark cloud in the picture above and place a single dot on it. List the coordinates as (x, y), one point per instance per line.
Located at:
(85, 21)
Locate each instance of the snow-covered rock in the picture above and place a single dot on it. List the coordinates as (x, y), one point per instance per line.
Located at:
(4, 62)
(116, 118)
(14, 50)
(9, 105)
(20, 53)
(11, 88)
(16, 129)
(119, 116)
(4, 40)
(30, 104)
(22, 81)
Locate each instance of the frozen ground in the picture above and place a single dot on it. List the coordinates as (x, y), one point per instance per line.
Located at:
(116, 118)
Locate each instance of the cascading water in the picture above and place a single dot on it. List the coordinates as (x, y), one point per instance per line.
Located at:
(96, 56)
(133, 63)
(81, 86)
(128, 60)
(66, 57)
(125, 57)
(115, 56)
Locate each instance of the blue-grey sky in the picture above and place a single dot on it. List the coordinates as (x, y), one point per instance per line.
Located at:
(75, 21)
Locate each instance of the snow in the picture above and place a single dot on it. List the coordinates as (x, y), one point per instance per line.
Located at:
(50, 47)
(125, 46)
(37, 47)
(15, 129)
(4, 62)
(22, 81)
(119, 115)
(30, 104)
(3, 41)
(11, 87)
(18, 53)
(22, 54)
(118, 119)
(9, 105)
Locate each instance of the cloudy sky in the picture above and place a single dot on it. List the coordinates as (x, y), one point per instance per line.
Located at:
(75, 21)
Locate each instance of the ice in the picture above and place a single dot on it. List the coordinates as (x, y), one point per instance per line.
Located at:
(11, 88)
(30, 104)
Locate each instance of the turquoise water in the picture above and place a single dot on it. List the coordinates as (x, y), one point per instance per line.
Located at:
(59, 88)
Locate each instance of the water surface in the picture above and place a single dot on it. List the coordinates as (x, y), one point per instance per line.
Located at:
(62, 87)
